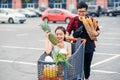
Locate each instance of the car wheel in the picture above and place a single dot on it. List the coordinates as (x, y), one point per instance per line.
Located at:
(21, 22)
(11, 20)
(105, 14)
(98, 15)
(54, 21)
(67, 20)
(46, 19)
(110, 14)
(27, 16)
(93, 15)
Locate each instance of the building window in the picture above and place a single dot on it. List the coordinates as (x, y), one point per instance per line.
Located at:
(111, 3)
(57, 4)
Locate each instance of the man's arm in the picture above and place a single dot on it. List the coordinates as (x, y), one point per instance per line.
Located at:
(69, 27)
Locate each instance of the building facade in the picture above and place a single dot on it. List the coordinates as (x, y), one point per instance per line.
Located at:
(66, 4)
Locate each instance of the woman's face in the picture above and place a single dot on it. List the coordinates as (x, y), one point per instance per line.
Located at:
(60, 35)
(82, 12)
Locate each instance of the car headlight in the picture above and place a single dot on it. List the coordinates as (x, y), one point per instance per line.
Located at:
(109, 10)
(16, 17)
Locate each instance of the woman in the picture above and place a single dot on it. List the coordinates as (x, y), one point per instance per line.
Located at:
(60, 33)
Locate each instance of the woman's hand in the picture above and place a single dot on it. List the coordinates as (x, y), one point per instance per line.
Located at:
(46, 34)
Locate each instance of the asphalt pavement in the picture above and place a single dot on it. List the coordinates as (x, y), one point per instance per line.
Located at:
(22, 44)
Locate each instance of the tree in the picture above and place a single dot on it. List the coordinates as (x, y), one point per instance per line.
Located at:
(57, 1)
(4, 1)
(90, 0)
(27, 1)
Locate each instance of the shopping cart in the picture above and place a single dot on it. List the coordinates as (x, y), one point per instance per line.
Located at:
(61, 71)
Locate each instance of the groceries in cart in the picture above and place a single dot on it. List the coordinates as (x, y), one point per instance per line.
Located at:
(57, 63)
(49, 70)
(45, 27)
(54, 71)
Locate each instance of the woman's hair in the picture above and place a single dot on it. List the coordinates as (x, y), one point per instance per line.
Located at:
(62, 29)
(82, 5)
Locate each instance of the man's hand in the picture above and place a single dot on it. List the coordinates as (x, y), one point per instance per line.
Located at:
(67, 36)
(93, 33)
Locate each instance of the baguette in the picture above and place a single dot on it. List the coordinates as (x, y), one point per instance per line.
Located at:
(89, 26)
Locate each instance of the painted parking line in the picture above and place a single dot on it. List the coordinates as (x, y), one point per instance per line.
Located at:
(93, 65)
(101, 27)
(17, 47)
(27, 63)
(109, 44)
(109, 38)
(109, 33)
(35, 64)
(106, 60)
(23, 34)
(106, 54)
(18, 62)
(104, 71)
(6, 30)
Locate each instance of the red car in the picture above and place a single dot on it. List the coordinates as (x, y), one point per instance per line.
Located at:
(57, 14)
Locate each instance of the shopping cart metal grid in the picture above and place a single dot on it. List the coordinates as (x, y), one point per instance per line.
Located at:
(73, 72)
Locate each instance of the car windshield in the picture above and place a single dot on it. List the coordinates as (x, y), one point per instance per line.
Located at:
(67, 12)
(9, 11)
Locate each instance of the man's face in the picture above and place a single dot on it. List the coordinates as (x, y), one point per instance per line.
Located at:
(82, 12)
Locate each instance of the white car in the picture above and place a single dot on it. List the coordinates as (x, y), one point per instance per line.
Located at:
(26, 12)
(9, 15)
(38, 13)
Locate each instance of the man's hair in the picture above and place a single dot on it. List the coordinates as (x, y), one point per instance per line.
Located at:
(82, 5)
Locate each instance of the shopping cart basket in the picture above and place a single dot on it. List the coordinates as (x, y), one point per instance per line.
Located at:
(61, 71)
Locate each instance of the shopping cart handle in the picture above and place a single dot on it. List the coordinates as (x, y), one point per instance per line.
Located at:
(72, 39)
(75, 39)
(83, 40)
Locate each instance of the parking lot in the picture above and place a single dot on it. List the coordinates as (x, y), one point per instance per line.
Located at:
(22, 44)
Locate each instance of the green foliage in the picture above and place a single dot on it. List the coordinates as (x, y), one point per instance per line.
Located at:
(51, 37)
(45, 26)
(4, 1)
(60, 57)
(57, 1)
(27, 1)
(90, 0)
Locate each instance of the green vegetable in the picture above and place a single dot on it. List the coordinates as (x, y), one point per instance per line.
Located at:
(45, 27)
(60, 57)
(53, 39)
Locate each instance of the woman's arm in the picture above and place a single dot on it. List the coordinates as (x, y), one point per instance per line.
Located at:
(48, 44)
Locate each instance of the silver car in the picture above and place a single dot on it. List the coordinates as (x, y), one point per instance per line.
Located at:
(26, 12)
(10, 16)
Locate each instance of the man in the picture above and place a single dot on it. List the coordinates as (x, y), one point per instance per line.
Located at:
(81, 30)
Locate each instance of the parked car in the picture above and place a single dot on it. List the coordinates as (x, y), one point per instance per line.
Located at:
(113, 12)
(94, 10)
(38, 13)
(74, 11)
(26, 12)
(57, 14)
(9, 15)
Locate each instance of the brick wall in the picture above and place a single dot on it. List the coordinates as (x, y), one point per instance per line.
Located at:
(103, 3)
(16, 4)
